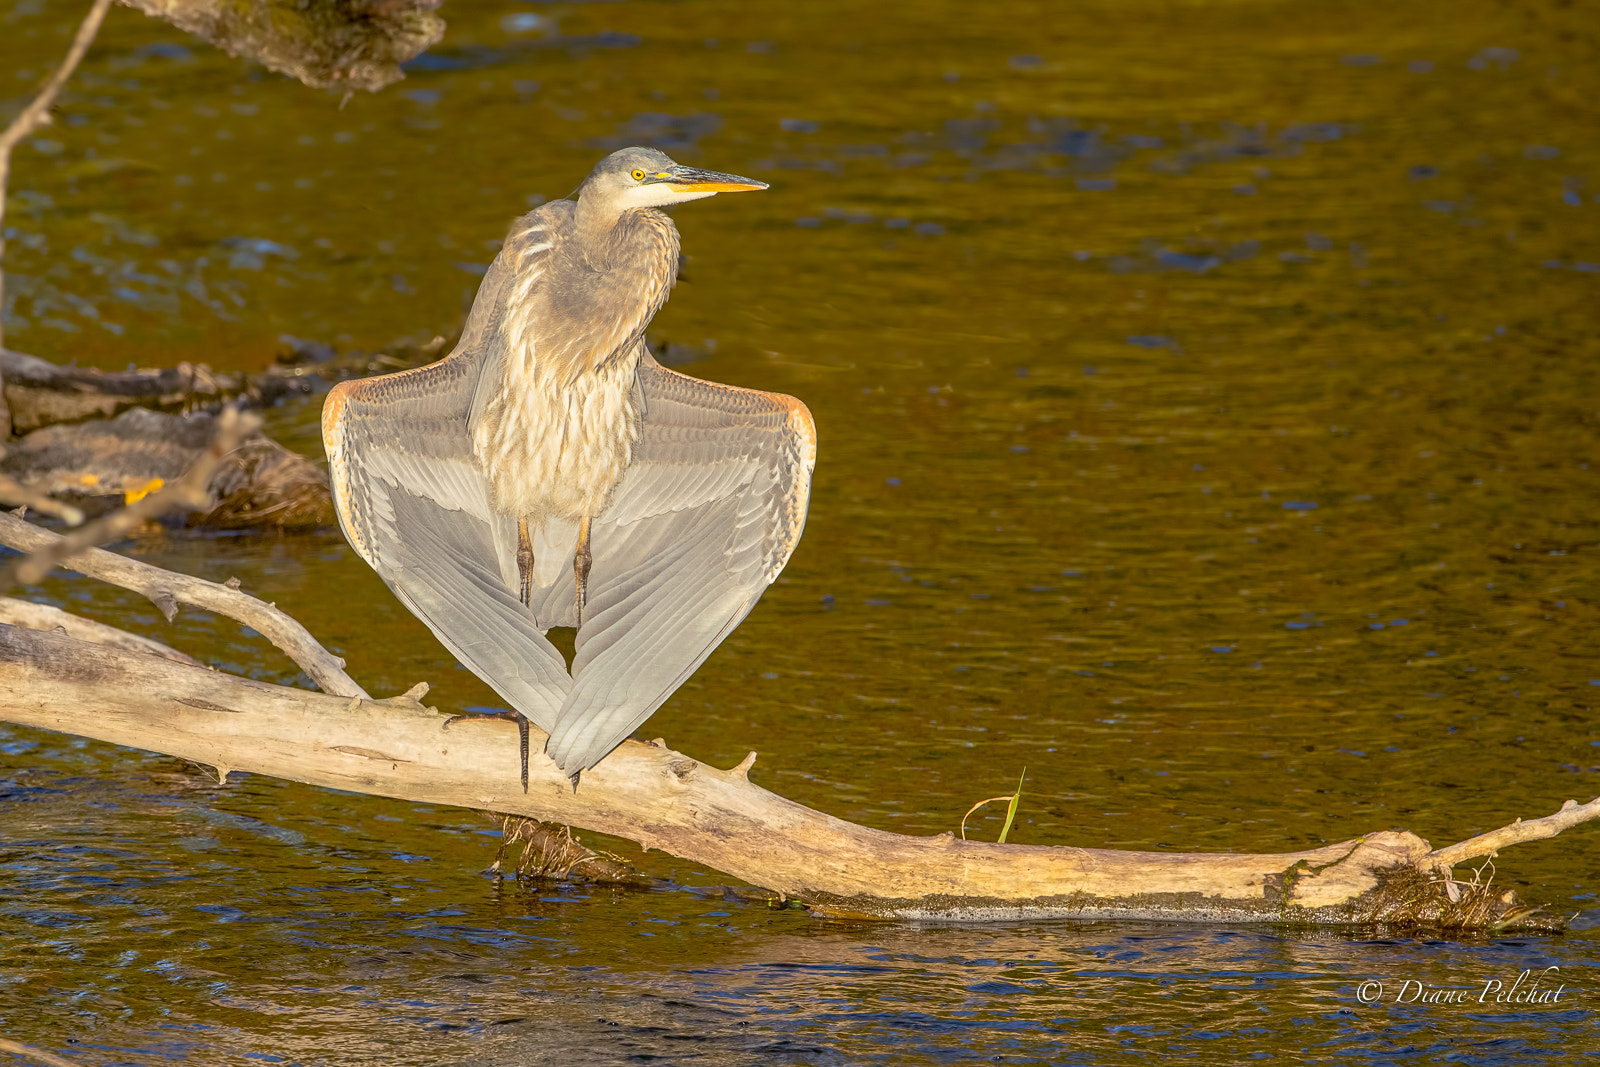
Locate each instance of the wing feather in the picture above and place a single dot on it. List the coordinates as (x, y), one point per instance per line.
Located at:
(444, 571)
(414, 503)
(708, 513)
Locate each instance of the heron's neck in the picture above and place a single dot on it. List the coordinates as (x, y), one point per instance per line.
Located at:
(605, 236)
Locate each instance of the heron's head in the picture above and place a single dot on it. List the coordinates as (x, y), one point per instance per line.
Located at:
(644, 177)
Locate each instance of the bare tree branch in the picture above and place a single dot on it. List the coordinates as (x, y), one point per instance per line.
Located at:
(36, 113)
(166, 590)
(1571, 814)
(14, 492)
(33, 116)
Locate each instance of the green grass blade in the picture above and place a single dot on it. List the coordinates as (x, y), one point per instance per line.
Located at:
(1011, 810)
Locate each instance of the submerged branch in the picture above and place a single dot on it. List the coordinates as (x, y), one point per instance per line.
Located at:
(550, 851)
(665, 800)
(35, 1053)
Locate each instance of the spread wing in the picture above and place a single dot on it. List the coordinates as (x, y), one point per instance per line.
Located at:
(709, 511)
(414, 503)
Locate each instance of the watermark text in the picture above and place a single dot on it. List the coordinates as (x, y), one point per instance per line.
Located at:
(1527, 988)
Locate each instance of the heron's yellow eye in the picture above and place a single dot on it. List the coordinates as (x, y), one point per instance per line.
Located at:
(638, 175)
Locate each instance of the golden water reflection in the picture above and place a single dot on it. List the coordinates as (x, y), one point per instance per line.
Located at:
(1205, 392)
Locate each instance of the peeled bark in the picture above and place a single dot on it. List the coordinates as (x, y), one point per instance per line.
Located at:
(665, 800)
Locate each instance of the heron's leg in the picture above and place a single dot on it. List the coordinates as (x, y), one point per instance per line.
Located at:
(508, 716)
(580, 565)
(525, 559)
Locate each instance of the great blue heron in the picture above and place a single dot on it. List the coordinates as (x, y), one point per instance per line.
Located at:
(549, 472)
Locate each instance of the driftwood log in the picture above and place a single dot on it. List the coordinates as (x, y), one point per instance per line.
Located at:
(666, 800)
(97, 682)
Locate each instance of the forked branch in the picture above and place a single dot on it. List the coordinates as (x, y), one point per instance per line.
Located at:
(167, 589)
(1571, 814)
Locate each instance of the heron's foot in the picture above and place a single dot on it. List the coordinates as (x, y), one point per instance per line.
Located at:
(504, 716)
(581, 560)
(524, 561)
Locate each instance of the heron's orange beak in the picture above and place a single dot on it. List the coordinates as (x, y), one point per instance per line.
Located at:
(694, 180)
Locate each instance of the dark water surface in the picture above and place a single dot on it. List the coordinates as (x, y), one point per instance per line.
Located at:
(1208, 425)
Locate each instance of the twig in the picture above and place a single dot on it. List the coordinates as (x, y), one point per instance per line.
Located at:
(188, 493)
(33, 116)
(36, 1053)
(36, 113)
(1571, 814)
(14, 492)
(167, 589)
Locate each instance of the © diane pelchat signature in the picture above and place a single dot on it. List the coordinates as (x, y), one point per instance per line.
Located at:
(1527, 988)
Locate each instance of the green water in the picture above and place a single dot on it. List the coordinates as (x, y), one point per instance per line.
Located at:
(1207, 414)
